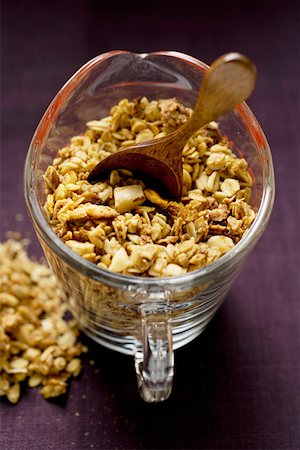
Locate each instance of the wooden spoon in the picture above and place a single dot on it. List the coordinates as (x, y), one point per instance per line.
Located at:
(228, 82)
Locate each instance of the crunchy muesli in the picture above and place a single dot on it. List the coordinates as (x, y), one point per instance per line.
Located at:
(36, 343)
(124, 226)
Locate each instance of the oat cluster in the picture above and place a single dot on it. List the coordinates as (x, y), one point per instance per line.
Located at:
(121, 224)
(37, 344)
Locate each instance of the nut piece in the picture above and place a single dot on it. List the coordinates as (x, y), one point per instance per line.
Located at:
(128, 197)
(120, 261)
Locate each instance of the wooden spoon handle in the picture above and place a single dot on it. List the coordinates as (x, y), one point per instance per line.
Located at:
(228, 82)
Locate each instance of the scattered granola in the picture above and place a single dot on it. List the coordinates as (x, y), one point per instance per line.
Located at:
(36, 343)
(122, 225)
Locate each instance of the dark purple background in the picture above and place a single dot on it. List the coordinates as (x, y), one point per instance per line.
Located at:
(238, 385)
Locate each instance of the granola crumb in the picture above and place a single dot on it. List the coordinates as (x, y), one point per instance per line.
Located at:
(19, 217)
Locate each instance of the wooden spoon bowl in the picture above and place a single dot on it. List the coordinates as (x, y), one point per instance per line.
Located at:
(228, 82)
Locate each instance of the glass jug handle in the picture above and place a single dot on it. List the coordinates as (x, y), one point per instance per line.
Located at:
(154, 358)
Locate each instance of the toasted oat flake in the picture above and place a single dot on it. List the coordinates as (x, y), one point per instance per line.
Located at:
(126, 226)
(230, 187)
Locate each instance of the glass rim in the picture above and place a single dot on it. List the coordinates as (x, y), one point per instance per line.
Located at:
(90, 269)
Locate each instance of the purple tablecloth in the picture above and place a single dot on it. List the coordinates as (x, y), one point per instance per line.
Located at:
(238, 385)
